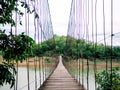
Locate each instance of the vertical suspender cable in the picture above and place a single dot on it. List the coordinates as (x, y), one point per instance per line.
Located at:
(39, 40)
(95, 68)
(42, 39)
(52, 32)
(42, 73)
(92, 21)
(87, 32)
(38, 28)
(78, 25)
(11, 31)
(41, 5)
(26, 28)
(35, 61)
(37, 37)
(77, 43)
(104, 34)
(94, 43)
(111, 41)
(83, 37)
(28, 31)
(16, 51)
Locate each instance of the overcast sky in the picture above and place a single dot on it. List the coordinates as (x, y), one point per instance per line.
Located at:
(60, 11)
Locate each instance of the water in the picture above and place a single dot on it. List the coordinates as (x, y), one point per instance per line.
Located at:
(91, 81)
(83, 79)
(23, 81)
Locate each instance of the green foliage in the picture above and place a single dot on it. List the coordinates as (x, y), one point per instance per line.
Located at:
(45, 48)
(104, 80)
(9, 6)
(0, 52)
(75, 48)
(6, 9)
(60, 44)
(116, 52)
(5, 74)
(15, 47)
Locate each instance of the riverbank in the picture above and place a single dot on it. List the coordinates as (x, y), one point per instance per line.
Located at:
(83, 63)
(35, 62)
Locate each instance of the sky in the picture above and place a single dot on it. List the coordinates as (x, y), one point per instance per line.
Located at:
(60, 11)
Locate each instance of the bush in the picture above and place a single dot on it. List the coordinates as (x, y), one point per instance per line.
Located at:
(103, 80)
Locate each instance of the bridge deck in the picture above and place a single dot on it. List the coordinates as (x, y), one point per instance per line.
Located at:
(61, 80)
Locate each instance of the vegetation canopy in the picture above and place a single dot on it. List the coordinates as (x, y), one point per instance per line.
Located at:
(12, 47)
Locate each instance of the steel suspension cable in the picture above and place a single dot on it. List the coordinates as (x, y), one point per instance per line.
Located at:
(84, 37)
(104, 33)
(11, 31)
(87, 9)
(27, 61)
(111, 66)
(79, 25)
(40, 36)
(87, 41)
(35, 58)
(94, 43)
(16, 51)
(95, 68)
(38, 28)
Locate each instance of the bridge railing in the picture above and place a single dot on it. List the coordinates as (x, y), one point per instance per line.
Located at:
(92, 45)
(37, 70)
(86, 72)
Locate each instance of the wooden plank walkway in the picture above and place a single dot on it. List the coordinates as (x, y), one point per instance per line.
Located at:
(61, 80)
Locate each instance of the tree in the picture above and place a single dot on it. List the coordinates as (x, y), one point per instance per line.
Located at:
(60, 44)
(13, 47)
(15, 44)
(45, 48)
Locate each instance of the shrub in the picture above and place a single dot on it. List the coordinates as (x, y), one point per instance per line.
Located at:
(103, 80)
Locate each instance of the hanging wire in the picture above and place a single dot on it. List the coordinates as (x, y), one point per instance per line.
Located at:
(16, 51)
(35, 58)
(95, 68)
(78, 26)
(42, 39)
(83, 37)
(11, 31)
(87, 37)
(69, 25)
(38, 28)
(104, 33)
(111, 42)
(26, 31)
(80, 35)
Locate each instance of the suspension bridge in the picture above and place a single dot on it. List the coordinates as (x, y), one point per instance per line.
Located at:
(61, 80)
(91, 23)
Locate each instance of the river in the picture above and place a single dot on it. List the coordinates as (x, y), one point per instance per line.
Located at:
(23, 81)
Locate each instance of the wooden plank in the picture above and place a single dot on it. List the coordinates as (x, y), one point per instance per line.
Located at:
(61, 80)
